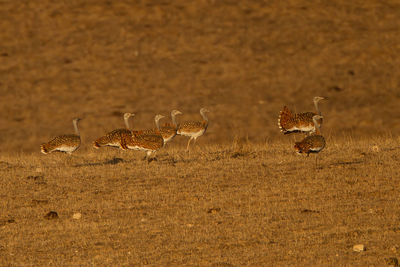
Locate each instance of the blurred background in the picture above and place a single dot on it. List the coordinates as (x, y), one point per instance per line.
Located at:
(243, 60)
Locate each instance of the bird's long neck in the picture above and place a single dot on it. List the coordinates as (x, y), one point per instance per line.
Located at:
(157, 120)
(204, 117)
(316, 107)
(174, 120)
(76, 127)
(317, 128)
(126, 119)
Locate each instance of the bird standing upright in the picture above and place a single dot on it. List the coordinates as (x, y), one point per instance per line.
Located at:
(194, 129)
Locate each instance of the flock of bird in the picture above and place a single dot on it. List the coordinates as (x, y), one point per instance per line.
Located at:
(151, 140)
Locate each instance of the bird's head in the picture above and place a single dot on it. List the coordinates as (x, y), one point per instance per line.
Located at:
(128, 115)
(175, 112)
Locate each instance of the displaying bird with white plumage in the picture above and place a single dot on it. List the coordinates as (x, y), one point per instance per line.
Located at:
(290, 122)
(64, 143)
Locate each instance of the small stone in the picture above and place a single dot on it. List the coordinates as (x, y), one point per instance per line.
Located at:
(77, 216)
(189, 225)
(359, 248)
(214, 210)
(375, 148)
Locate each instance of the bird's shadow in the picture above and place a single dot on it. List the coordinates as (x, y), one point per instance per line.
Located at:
(112, 161)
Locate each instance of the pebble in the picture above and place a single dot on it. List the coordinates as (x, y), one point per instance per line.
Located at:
(77, 216)
(359, 248)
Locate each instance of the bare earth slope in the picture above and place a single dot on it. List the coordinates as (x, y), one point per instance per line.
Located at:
(97, 59)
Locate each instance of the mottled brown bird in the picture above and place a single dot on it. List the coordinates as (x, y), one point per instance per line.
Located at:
(168, 131)
(156, 130)
(64, 143)
(313, 143)
(113, 138)
(194, 129)
(290, 122)
(149, 141)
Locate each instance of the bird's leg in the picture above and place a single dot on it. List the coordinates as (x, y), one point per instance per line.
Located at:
(187, 147)
(194, 141)
(149, 158)
(148, 153)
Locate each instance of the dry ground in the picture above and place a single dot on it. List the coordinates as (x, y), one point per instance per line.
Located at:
(236, 205)
(246, 202)
(243, 60)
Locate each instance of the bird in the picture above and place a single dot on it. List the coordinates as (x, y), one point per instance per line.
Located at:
(194, 129)
(149, 141)
(313, 143)
(64, 143)
(156, 130)
(113, 138)
(290, 122)
(168, 131)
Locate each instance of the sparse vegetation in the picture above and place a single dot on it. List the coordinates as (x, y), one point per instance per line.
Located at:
(241, 196)
(239, 204)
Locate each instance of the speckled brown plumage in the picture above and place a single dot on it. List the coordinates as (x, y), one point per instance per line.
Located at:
(63, 143)
(114, 137)
(194, 129)
(146, 140)
(290, 122)
(154, 131)
(313, 143)
(310, 144)
(168, 132)
(138, 140)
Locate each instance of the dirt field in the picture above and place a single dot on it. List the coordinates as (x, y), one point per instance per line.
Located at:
(241, 197)
(236, 205)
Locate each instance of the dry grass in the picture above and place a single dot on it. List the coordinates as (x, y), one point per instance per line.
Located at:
(241, 204)
(244, 198)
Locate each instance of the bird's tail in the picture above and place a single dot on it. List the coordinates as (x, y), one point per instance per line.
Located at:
(44, 148)
(297, 147)
(99, 142)
(284, 119)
